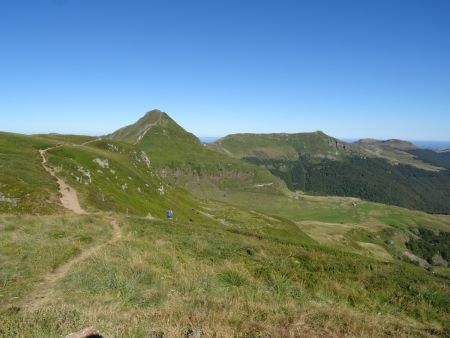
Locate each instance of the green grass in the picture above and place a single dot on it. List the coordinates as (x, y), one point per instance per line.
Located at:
(72, 139)
(103, 190)
(22, 177)
(279, 146)
(32, 246)
(172, 277)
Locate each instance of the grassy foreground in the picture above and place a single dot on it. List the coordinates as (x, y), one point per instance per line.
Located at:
(171, 279)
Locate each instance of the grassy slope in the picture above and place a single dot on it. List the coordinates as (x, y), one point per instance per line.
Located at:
(31, 246)
(395, 151)
(105, 189)
(278, 146)
(289, 146)
(22, 176)
(173, 277)
(60, 138)
(371, 179)
(180, 155)
(341, 223)
(133, 132)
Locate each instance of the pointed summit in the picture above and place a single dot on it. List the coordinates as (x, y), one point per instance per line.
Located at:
(154, 121)
(133, 133)
(161, 137)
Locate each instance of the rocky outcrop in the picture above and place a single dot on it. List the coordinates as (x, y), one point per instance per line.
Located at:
(102, 162)
(438, 260)
(415, 259)
(12, 201)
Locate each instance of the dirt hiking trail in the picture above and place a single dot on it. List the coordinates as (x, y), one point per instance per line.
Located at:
(69, 198)
(44, 291)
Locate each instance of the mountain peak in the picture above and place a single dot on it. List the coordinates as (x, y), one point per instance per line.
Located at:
(154, 114)
(134, 133)
(153, 122)
(153, 111)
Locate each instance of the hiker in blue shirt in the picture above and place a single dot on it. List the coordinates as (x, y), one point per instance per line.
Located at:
(169, 213)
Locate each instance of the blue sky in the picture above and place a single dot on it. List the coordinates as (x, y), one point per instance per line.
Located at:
(350, 68)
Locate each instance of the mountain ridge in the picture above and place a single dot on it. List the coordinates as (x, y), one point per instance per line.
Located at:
(282, 145)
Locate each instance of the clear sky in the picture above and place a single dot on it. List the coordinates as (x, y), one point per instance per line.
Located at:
(363, 68)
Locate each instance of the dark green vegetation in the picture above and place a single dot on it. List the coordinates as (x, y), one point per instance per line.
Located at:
(368, 178)
(243, 256)
(440, 159)
(391, 172)
(431, 244)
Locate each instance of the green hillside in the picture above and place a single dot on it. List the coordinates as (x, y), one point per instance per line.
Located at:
(395, 152)
(392, 172)
(440, 159)
(242, 257)
(368, 178)
(118, 176)
(318, 145)
(135, 132)
(252, 274)
(24, 185)
(180, 157)
(283, 146)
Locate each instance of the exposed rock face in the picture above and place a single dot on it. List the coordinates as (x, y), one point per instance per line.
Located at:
(439, 260)
(112, 147)
(413, 258)
(102, 163)
(145, 158)
(339, 145)
(4, 198)
(85, 173)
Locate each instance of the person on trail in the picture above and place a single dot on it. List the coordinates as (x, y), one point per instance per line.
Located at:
(169, 213)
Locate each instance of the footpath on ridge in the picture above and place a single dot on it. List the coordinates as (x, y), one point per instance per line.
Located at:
(44, 291)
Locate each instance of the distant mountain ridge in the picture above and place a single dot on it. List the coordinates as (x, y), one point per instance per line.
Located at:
(390, 171)
(283, 145)
(394, 143)
(317, 145)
